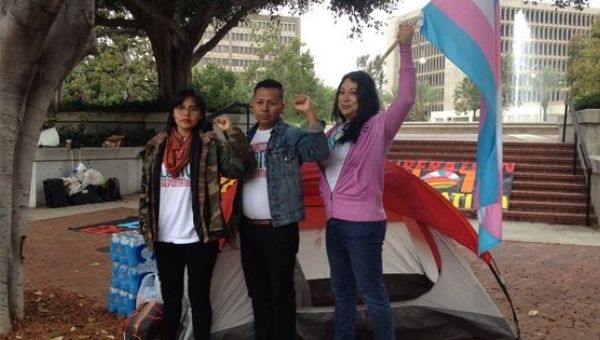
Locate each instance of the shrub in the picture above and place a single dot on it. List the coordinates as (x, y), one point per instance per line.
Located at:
(110, 106)
(587, 102)
(79, 137)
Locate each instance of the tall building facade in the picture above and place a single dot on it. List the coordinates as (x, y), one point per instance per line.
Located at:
(535, 34)
(238, 48)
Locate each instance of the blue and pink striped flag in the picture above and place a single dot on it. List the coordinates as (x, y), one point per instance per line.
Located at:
(468, 33)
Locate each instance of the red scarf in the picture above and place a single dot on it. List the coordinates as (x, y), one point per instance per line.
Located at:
(177, 152)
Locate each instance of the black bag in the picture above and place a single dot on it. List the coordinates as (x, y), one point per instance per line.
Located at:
(110, 191)
(87, 195)
(55, 193)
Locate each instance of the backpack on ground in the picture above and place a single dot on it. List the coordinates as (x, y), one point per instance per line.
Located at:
(144, 323)
(110, 191)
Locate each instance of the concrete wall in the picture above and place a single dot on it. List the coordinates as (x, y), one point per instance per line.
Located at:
(123, 163)
(595, 194)
(589, 121)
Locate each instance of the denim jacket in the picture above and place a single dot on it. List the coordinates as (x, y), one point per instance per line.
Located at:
(288, 148)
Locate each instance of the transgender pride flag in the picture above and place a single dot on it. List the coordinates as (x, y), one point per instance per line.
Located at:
(468, 33)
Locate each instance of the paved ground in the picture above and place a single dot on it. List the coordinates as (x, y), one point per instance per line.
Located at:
(553, 274)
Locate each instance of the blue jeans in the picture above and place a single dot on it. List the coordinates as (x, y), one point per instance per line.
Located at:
(354, 250)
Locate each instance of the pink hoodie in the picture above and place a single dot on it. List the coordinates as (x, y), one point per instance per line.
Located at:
(359, 190)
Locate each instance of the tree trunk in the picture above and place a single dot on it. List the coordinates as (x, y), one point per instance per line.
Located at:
(36, 57)
(173, 60)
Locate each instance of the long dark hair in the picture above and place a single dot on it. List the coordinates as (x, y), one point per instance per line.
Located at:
(178, 99)
(368, 104)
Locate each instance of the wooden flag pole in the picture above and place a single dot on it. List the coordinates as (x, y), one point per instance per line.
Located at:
(390, 49)
(416, 23)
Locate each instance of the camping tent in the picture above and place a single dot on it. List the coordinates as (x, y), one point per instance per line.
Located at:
(433, 291)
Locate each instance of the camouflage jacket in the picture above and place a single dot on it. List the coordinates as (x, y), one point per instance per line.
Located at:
(210, 157)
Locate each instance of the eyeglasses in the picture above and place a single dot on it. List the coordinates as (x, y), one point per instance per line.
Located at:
(187, 108)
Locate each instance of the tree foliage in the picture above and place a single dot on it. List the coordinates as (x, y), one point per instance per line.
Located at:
(426, 96)
(123, 70)
(374, 67)
(219, 86)
(294, 68)
(467, 97)
(583, 73)
(175, 28)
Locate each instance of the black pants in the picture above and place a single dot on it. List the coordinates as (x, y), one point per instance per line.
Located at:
(171, 260)
(268, 259)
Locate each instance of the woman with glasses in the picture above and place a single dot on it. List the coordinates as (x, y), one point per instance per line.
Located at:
(180, 214)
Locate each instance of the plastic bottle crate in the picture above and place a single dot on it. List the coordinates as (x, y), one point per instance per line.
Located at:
(129, 278)
(131, 261)
(120, 301)
(127, 248)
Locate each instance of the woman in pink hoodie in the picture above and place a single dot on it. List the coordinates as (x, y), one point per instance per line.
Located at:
(352, 189)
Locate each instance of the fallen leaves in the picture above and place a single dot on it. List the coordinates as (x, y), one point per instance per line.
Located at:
(61, 315)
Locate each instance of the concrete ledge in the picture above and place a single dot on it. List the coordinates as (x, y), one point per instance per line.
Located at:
(87, 154)
(542, 129)
(589, 116)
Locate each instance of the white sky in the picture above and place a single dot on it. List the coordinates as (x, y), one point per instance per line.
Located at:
(334, 53)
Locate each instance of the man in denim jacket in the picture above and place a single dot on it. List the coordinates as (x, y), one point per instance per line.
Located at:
(273, 204)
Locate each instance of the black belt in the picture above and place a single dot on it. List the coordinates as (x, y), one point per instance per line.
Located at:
(265, 222)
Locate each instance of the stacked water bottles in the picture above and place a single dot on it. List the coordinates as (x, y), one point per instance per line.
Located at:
(131, 260)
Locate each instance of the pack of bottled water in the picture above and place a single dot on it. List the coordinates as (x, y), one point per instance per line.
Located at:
(120, 302)
(131, 261)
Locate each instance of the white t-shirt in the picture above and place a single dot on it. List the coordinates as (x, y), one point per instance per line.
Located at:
(175, 216)
(337, 156)
(256, 195)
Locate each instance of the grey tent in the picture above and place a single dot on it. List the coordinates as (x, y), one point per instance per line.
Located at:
(428, 303)
(433, 290)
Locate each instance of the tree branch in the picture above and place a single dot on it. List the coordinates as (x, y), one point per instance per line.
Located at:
(116, 22)
(198, 24)
(209, 45)
(155, 16)
(111, 32)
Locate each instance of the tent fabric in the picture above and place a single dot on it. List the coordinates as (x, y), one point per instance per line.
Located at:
(456, 306)
(433, 291)
(405, 195)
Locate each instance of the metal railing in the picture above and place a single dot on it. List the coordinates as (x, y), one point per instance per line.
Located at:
(579, 145)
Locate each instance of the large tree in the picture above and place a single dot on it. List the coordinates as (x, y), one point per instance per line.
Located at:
(175, 28)
(467, 98)
(40, 43)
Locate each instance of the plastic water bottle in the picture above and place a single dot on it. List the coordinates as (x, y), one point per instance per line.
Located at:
(112, 300)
